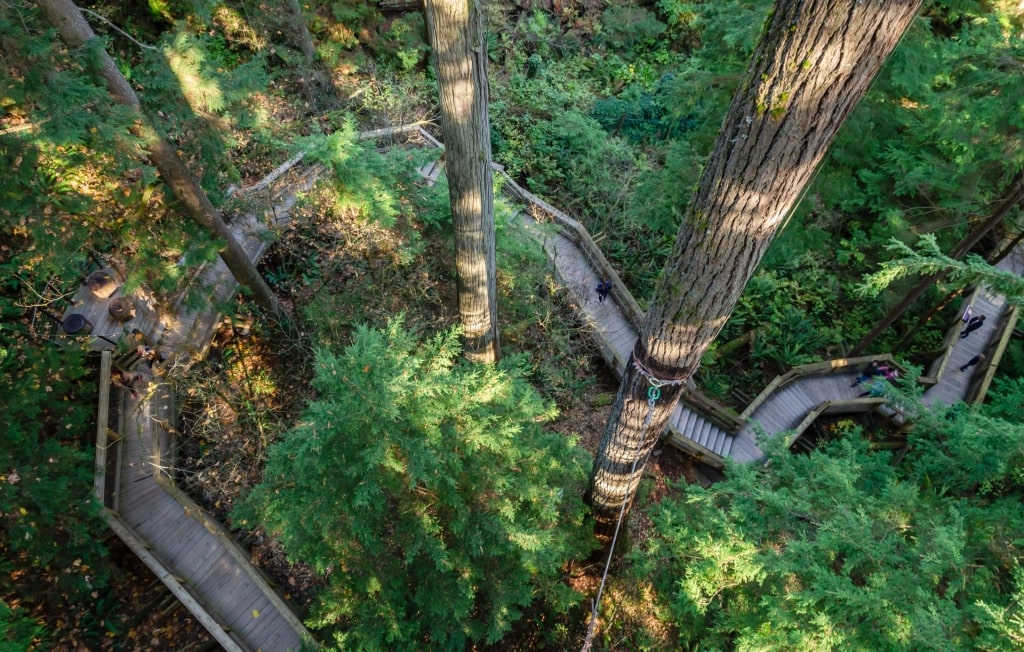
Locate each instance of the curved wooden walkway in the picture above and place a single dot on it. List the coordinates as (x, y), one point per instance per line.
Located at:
(186, 548)
(709, 431)
(784, 406)
(211, 574)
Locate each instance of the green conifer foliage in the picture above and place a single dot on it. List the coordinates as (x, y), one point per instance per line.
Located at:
(428, 493)
(843, 550)
(50, 532)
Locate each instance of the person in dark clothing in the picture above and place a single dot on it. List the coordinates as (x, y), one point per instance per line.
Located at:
(874, 368)
(603, 288)
(973, 361)
(974, 324)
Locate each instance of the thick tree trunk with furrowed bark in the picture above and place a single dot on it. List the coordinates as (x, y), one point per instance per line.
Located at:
(66, 17)
(460, 54)
(815, 61)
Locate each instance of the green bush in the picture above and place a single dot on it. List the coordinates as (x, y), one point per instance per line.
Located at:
(626, 27)
(427, 492)
(404, 44)
(842, 550)
(50, 531)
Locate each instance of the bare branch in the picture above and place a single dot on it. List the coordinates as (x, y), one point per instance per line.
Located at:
(116, 28)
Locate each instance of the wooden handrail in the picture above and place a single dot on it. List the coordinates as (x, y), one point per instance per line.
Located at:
(842, 406)
(938, 366)
(99, 480)
(698, 452)
(226, 638)
(232, 547)
(977, 390)
(717, 413)
(567, 225)
(579, 235)
(823, 368)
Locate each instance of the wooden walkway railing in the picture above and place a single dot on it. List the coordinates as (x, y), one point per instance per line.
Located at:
(187, 549)
(700, 426)
(193, 555)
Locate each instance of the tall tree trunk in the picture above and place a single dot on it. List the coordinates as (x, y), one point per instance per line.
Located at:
(457, 38)
(65, 16)
(301, 32)
(815, 61)
(1011, 197)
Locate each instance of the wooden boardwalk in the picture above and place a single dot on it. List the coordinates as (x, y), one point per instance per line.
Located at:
(781, 409)
(698, 426)
(211, 574)
(186, 548)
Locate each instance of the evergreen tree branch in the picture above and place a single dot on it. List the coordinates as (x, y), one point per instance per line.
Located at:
(927, 259)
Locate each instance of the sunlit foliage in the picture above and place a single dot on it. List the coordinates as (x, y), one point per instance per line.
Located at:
(428, 493)
(843, 550)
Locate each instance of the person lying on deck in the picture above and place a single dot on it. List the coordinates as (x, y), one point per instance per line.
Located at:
(874, 368)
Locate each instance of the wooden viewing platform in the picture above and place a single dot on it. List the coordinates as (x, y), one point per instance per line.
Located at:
(200, 562)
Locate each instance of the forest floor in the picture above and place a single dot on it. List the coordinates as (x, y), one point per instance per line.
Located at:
(254, 385)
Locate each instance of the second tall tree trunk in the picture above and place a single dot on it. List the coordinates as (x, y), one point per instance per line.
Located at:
(460, 54)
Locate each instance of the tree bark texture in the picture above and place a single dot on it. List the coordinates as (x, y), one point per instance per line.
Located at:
(460, 53)
(65, 16)
(815, 61)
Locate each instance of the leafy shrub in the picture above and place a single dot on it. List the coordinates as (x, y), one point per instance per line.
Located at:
(841, 550)
(637, 116)
(404, 44)
(50, 531)
(625, 27)
(396, 99)
(365, 179)
(428, 493)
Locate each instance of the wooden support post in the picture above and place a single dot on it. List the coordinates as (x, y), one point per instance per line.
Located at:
(102, 416)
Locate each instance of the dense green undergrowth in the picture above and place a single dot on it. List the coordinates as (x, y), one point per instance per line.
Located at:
(607, 122)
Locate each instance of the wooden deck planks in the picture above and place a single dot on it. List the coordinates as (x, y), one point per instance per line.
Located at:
(187, 545)
(141, 499)
(95, 309)
(744, 449)
(155, 518)
(218, 574)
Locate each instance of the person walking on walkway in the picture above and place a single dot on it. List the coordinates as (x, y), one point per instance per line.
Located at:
(973, 361)
(877, 385)
(974, 324)
(603, 288)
